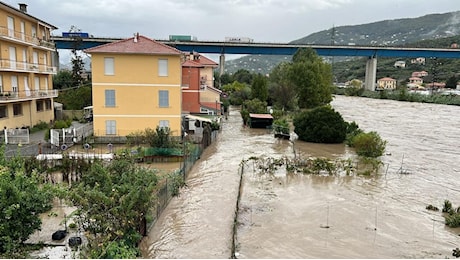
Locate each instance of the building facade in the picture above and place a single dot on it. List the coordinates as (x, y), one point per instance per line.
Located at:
(386, 83)
(198, 92)
(136, 85)
(26, 68)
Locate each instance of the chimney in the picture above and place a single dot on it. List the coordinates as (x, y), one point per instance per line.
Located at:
(136, 37)
(23, 7)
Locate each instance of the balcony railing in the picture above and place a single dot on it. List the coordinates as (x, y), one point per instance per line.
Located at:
(12, 96)
(26, 67)
(22, 37)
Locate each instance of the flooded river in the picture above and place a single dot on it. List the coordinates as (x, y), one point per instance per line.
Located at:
(285, 216)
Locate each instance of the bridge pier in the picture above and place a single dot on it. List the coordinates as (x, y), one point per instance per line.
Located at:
(221, 64)
(371, 73)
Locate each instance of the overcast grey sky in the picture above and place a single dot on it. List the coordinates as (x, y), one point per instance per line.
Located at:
(261, 20)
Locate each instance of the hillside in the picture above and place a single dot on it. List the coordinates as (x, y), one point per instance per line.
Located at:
(398, 32)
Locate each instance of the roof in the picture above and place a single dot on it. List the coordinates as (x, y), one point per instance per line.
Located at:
(203, 60)
(142, 45)
(264, 116)
(199, 118)
(207, 62)
(190, 63)
(19, 12)
(387, 79)
(215, 89)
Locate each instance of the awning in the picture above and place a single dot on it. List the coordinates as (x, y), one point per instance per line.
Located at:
(191, 117)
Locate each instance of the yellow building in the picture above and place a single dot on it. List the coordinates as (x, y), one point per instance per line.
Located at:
(26, 71)
(386, 83)
(136, 85)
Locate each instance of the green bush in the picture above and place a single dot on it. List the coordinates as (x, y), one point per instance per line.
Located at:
(368, 144)
(60, 124)
(281, 126)
(320, 125)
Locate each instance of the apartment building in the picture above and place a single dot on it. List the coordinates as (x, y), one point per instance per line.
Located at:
(26, 68)
(136, 85)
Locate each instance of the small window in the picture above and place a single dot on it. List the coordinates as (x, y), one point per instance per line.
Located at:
(17, 109)
(3, 112)
(109, 68)
(110, 127)
(163, 98)
(39, 105)
(162, 67)
(110, 98)
(164, 124)
(48, 104)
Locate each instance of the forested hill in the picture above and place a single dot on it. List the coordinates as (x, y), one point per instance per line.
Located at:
(398, 32)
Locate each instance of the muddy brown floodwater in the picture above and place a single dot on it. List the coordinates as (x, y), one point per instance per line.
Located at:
(286, 215)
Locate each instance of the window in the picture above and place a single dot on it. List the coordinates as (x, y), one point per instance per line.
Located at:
(39, 105)
(164, 124)
(10, 22)
(110, 127)
(17, 109)
(109, 66)
(110, 98)
(48, 104)
(162, 67)
(3, 112)
(164, 98)
(14, 85)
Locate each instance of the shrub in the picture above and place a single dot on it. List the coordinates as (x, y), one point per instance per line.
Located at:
(368, 144)
(281, 126)
(320, 125)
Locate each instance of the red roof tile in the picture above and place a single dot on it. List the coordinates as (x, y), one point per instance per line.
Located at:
(266, 116)
(207, 62)
(190, 63)
(143, 45)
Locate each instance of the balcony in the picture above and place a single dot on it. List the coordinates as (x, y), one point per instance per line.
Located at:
(11, 96)
(20, 37)
(17, 66)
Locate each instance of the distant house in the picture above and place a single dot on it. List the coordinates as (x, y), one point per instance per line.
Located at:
(419, 61)
(435, 85)
(136, 85)
(400, 64)
(419, 74)
(416, 80)
(386, 83)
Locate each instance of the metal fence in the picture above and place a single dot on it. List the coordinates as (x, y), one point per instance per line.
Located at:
(16, 136)
(165, 193)
(68, 136)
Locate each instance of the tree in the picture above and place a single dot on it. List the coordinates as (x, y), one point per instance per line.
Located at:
(113, 202)
(75, 99)
(63, 79)
(452, 82)
(312, 78)
(22, 199)
(238, 92)
(320, 125)
(282, 91)
(77, 61)
(259, 87)
(253, 106)
(368, 144)
(243, 76)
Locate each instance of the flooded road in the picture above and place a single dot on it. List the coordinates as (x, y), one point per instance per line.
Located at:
(285, 216)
